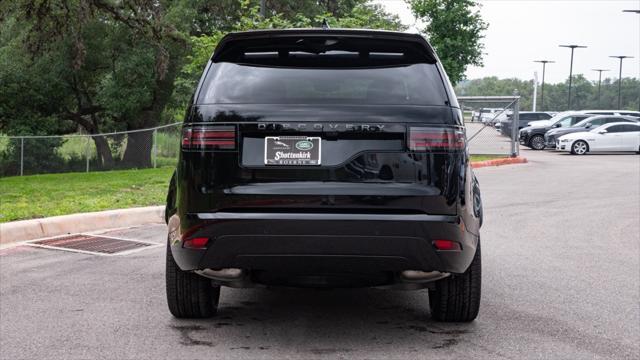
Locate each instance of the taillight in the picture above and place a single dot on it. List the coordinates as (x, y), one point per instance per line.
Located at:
(436, 139)
(196, 243)
(209, 138)
(446, 245)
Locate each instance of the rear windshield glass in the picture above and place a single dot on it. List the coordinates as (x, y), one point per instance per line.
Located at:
(413, 84)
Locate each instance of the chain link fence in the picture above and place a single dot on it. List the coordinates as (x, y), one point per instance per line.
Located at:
(492, 124)
(138, 149)
(488, 120)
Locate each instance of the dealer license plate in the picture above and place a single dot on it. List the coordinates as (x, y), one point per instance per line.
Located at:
(292, 150)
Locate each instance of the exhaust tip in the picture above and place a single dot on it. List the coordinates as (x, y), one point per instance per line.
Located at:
(422, 276)
(227, 274)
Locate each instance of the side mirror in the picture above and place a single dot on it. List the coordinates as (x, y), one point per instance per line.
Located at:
(602, 132)
(588, 125)
(557, 125)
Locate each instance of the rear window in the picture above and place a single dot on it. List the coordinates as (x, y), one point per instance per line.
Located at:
(408, 84)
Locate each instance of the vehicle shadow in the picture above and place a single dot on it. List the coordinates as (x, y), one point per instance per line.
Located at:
(320, 322)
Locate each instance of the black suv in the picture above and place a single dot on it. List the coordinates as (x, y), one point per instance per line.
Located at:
(324, 158)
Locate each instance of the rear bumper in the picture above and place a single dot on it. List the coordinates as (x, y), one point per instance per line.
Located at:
(326, 242)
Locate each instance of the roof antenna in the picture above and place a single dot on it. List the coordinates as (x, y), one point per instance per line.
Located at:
(325, 24)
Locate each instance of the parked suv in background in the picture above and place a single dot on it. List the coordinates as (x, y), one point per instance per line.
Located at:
(324, 158)
(586, 125)
(534, 136)
(524, 117)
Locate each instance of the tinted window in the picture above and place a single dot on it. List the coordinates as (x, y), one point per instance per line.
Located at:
(616, 128)
(630, 128)
(544, 116)
(613, 119)
(229, 83)
(577, 119)
(528, 117)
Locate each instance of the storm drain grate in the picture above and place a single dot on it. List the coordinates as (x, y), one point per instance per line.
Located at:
(93, 244)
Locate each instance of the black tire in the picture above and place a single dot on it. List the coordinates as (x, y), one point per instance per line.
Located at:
(579, 147)
(537, 142)
(189, 295)
(457, 298)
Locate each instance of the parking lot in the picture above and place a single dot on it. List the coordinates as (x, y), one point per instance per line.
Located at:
(487, 140)
(560, 252)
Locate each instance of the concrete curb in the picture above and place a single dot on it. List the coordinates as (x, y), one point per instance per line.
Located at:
(75, 223)
(498, 162)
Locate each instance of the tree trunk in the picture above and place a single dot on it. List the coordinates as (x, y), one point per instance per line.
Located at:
(332, 7)
(139, 144)
(104, 152)
(138, 151)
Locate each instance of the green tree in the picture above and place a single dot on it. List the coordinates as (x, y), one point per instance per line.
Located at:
(117, 62)
(105, 65)
(585, 92)
(454, 28)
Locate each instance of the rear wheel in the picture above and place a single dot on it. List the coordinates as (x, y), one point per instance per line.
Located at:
(537, 142)
(579, 148)
(457, 298)
(189, 295)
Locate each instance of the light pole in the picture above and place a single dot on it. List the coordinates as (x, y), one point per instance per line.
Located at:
(637, 12)
(621, 57)
(572, 47)
(544, 65)
(599, 82)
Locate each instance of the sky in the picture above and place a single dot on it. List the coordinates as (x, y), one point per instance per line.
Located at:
(521, 31)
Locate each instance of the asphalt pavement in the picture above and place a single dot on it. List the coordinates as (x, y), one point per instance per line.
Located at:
(561, 280)
(486, 139)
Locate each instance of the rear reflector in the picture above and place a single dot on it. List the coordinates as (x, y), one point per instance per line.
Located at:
(435, 139)
(446, 245)
(196, 243)
(209, 138)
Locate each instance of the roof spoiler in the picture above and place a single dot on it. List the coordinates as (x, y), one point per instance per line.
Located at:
(233, 44)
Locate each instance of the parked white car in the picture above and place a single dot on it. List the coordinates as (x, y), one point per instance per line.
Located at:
(618, 136)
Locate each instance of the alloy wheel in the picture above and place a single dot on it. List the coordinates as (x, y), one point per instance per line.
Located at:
(537, 142)
(580, 147)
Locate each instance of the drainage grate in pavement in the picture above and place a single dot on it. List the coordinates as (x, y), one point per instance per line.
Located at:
(93, 244)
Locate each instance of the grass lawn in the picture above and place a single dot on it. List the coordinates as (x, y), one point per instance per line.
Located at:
(28, 197)
(35, 196)
(486, 157)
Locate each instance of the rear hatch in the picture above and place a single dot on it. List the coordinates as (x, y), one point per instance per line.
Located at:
(323, 122)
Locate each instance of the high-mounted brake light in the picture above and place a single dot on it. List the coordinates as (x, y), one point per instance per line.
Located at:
(436, 139)
(209, 138)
